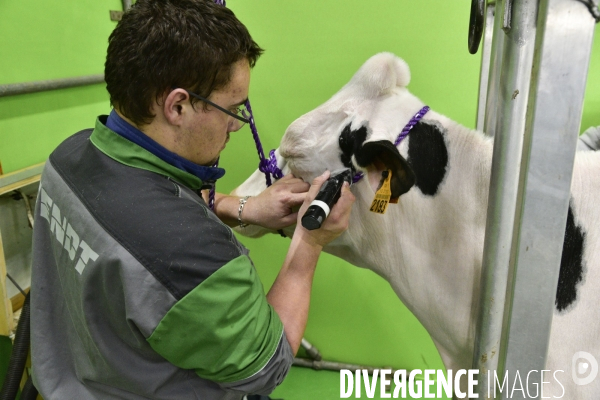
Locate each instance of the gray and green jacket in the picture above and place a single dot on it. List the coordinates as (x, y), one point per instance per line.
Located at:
(138, 289)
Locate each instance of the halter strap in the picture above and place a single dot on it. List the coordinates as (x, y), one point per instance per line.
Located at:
(267, 166)
(413, 121)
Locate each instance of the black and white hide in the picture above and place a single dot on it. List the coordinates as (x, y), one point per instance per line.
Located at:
(429, 246)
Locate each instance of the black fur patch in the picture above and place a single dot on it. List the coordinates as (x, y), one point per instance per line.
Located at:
(350, 142)
(427, 156)
(571, 264)
(385, 152)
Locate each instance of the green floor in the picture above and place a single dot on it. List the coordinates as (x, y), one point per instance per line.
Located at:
(307, 384)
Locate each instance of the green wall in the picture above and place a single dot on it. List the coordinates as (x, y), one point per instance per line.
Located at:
(48, 40)
(591, 105)
(312, 48)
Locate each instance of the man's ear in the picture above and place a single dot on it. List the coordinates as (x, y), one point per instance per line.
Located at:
(380, 156)
(173, 105)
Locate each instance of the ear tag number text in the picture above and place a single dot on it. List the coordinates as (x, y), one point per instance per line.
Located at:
(383, 194)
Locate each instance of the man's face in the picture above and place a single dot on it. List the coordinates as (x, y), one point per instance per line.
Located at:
(206, 131)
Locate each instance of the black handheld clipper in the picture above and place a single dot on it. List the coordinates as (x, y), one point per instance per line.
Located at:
(328, 195)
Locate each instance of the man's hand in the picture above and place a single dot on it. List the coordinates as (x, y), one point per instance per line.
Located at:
(336, 223)
(290, 293)
(277, 206)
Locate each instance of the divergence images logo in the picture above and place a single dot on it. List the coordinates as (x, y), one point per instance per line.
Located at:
(584, 368)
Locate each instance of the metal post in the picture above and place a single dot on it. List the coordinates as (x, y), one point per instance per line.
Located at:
(495, 67)
(563, 47)
(511, 108)
(42, 86)
(486, 56)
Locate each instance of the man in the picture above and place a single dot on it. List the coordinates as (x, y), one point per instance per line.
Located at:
(138, 289)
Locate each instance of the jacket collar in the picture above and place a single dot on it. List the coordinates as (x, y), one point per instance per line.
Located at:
(128, 145)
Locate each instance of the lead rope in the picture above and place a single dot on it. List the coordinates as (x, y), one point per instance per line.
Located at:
(211, 192)
(267, 166)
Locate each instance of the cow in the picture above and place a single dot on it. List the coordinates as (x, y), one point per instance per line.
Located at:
(429, 246)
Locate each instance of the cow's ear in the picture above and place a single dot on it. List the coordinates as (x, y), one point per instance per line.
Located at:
(380, 156)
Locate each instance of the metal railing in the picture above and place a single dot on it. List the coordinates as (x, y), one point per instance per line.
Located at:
(14, 89)
(534, 115)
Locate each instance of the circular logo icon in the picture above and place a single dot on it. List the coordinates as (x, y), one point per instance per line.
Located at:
(584, 368)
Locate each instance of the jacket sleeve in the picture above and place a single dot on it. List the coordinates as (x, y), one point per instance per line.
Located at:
(272, 374)
(226, 331)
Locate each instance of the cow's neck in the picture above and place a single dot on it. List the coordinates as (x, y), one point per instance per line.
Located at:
(429, 246)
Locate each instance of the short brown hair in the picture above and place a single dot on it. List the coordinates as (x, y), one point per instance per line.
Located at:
(161, 44)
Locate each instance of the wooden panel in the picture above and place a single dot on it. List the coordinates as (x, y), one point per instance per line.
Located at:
(18, 300)
(20, 184)
(18, 179)
(6, 319)
(9, 182)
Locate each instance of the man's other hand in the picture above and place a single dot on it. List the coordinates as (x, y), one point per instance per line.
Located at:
(277, 206)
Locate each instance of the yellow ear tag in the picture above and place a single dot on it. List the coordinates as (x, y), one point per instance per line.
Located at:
(382, 196)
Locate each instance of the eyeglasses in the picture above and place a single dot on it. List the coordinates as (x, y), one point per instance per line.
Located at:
(240, 112)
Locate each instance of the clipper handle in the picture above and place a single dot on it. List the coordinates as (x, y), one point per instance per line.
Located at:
(328, 195)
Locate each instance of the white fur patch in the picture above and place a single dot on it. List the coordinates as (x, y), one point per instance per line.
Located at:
(380, 74)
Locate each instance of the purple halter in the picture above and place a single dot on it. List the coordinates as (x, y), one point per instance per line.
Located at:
(267, 166)
(413, 121)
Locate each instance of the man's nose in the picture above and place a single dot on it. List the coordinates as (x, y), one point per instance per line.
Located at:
(234, 125)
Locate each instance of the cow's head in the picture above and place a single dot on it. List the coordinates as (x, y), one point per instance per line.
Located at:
(356, 128)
